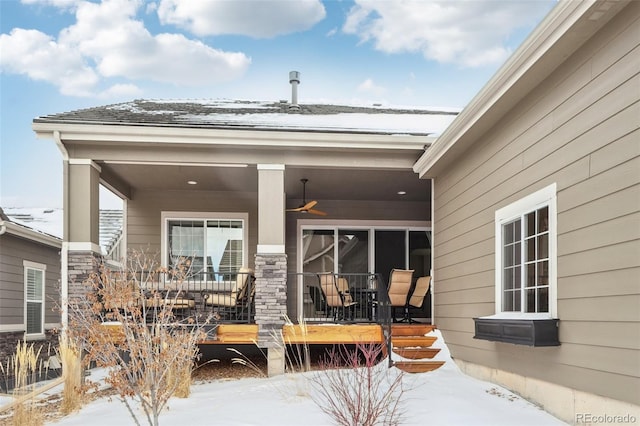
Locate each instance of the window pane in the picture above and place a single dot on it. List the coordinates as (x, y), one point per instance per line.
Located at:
(420, 252)
(543, 219)
(34, 318)
(530, 219)
(353, 251)
(530, 300)
(224, 246)
(508, 233)
(508, 278)
(543, 299)
(508, 256)
(530, 249)
(186, 240)
(543, 273)
(530, 275)
(35, 284)
(517, 274)
(317, 250)
(390, 251)
(543, 246)
(507, 301)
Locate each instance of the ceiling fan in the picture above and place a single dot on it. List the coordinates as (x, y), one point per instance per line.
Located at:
(307, 207)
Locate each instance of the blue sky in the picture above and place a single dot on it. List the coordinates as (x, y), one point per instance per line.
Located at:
(61, 55)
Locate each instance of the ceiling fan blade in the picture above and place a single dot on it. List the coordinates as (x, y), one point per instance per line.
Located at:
(309, 205)
(297, 209)
(318, 212)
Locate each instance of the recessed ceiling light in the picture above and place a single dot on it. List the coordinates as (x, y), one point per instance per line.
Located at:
(192, 182)
(402, 192)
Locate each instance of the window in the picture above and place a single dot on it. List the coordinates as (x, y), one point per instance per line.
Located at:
(525, 255)
(34, 298)
(215, 243)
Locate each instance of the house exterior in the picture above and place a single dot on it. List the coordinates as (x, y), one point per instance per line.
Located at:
(227, 171)
(541, 167)
(536, 195)
(29, 287)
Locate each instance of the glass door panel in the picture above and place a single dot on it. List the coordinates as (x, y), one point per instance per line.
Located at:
(390, 252)
(353, 251)
(420, 262)
(318, 253)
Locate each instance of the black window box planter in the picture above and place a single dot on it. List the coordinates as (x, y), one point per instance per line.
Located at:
(530, 332)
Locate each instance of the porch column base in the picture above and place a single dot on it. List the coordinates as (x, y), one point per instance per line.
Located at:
(271, 306)
(81, 265)
(275, 361)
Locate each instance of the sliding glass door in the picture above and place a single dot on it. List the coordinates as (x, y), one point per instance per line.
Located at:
(363, 250)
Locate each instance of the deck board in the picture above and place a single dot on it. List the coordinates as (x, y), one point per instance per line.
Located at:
(333, 334)
(323, 334)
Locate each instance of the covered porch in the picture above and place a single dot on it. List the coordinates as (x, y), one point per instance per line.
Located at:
(221, 197)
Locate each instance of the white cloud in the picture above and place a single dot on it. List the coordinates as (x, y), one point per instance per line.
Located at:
(38, 56)
(467, 33)
(368, 86)
(108, 42)
(254, 18)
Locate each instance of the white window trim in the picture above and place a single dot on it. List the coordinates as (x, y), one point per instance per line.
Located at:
(166, 216)
(38, 267)
(546, 196)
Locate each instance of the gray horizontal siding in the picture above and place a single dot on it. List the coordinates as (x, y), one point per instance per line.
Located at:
(580, 129)
(144, 228)
(13, 251)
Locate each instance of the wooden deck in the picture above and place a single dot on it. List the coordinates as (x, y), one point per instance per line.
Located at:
(312, 334)
(324, 334)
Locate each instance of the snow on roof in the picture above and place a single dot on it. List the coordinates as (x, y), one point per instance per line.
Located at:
(49, 221)
(44, 220)
(221, 113)
(110, 228)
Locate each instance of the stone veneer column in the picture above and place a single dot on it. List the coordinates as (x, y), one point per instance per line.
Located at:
(271, 307)
(80, 265)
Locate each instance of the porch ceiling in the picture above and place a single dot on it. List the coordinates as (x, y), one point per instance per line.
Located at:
(324, 183)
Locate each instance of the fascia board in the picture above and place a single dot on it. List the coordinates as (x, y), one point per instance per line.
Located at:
(88, 133)
(527, 60)
(29, 234)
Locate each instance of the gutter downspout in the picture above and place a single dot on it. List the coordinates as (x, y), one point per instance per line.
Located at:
(64, 255)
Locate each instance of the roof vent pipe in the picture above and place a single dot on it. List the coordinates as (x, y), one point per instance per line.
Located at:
(294, 79)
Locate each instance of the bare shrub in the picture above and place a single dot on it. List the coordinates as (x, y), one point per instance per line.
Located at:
(73, 392)
(354, 389)
(128, 326)
(25, 367)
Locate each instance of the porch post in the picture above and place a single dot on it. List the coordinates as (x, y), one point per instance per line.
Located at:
(271, 265)
(82, 213)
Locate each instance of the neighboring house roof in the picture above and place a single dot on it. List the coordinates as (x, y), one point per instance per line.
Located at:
(562, 32)
(110, 228)
(255, 115)
(35, 224)
(46, 224)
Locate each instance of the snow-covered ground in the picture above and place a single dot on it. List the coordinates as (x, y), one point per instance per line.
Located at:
(443, 397)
